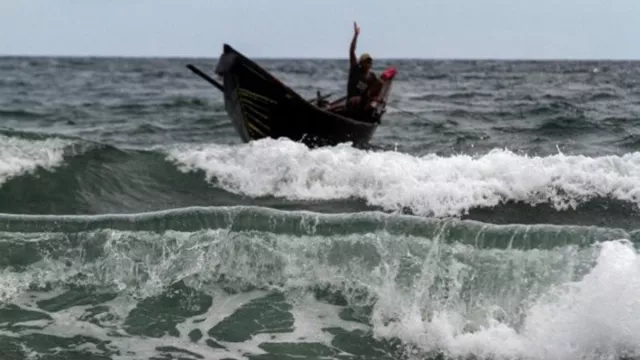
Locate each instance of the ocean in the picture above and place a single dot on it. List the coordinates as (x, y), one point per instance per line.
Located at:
(495, 216)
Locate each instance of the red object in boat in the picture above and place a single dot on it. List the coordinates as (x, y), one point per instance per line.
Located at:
(389, 73)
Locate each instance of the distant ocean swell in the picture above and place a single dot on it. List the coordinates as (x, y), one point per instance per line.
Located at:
(136, 105)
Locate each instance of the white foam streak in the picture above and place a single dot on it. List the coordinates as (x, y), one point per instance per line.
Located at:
(429, 185)
(20, 156)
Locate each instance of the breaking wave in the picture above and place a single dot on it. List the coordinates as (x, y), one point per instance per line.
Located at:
(400, 286)
(430, 185)
(56, 175)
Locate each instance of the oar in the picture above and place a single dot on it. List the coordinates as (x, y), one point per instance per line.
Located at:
(318, 97)
(338, 100)
(205, 76)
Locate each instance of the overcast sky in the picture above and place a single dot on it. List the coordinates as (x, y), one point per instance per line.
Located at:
(601, 29)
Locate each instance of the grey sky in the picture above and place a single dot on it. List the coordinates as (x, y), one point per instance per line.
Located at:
(323, 28)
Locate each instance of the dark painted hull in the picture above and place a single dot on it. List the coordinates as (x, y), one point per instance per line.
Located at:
(261, 106)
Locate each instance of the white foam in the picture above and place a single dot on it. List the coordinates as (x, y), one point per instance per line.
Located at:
(429, 185)
(592, 318)
(21, 156)
(595, 316)
(310, 319)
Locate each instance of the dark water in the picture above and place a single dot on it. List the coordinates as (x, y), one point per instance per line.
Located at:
(497, 217)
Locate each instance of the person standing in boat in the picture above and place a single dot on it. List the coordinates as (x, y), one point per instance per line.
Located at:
(362, 85)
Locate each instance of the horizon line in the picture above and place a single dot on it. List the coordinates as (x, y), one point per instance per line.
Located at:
(345, 58)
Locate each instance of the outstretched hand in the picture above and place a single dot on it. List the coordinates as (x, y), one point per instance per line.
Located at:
(356, 29)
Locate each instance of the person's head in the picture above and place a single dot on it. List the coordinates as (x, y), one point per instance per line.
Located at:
(365, 61)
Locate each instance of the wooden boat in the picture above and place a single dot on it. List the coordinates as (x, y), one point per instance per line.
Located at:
(261, 106)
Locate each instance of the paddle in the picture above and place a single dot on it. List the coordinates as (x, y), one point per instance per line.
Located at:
(205, 76)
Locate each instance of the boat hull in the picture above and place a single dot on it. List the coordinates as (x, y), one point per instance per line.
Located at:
(261, 106)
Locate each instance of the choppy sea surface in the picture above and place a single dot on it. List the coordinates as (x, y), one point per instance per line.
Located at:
(495, 217)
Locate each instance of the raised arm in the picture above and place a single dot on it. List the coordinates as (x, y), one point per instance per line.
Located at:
(352, 49)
